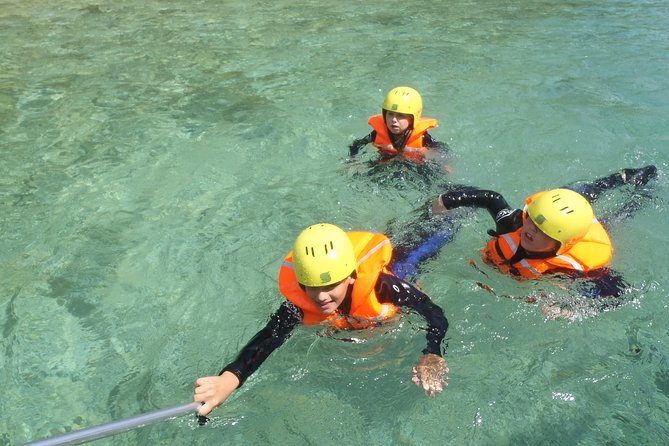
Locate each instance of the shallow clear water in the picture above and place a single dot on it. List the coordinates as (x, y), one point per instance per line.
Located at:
(158, 159)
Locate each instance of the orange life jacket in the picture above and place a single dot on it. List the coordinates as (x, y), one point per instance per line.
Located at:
(373, 252)
(414, 148)
(593, 251)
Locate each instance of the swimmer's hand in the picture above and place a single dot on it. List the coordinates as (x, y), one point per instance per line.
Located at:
(214, 390)
(553, 312)
(438, 207)
(429, 374)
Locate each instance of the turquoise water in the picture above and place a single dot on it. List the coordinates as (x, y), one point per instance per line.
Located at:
(159, 157)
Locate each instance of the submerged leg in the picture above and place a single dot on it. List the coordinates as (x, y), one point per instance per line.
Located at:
(407, 263)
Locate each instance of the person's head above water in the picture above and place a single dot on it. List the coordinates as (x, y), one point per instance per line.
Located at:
(562, 218)
(401, 108)
(324, 262)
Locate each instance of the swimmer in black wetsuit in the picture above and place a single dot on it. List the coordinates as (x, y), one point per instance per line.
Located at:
(555, 233)
(400, 131)
(340, 279)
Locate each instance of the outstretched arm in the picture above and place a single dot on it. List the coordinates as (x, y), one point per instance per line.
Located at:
(440, 151)
(429, 373)
(506, 219)
(602, 289)
(636, 177)
(606, 284)
(390, 289)
(214, 390)
(358, 144)
(407, 260)
(492, 201)
(432, 143)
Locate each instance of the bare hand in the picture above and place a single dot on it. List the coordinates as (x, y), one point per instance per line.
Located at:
(214, 390)
(553, 312)
(429, 374)
(438, 207)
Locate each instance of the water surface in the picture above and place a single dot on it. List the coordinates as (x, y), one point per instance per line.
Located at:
(158, 159)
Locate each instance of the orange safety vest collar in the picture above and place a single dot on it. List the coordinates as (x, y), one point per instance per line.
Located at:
(373, 252)
(593, 251)
(414, 148)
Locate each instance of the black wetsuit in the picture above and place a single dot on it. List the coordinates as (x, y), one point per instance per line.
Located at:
(388, 288)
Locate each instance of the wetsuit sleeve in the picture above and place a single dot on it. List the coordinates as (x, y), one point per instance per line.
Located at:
(358, 144)
(390, 289)
(431, 143)
(258, 349)
(478, 198)
(506, 219)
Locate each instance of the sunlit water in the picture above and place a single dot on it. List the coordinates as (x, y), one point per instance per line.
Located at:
(158, 159)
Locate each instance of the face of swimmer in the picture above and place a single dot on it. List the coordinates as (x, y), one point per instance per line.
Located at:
(533, 240)
(329, 298)
(398, 123)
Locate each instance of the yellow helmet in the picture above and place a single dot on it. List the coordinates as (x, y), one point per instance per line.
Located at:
(561, 214)
(322, 255)
(404, 100)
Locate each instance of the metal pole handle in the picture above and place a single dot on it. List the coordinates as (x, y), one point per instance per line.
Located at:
(116, 427)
